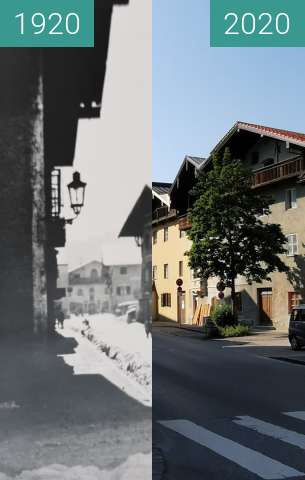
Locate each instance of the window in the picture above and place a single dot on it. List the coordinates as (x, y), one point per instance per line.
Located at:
(165, 234)
(80, 292)
(123, 291)
(123, 270)
(292, 247)
(154, 272)
(165, 270)
(91, 294)
(294, 299)
(255, 158)
(94, 274)
(180, 269)
(182, 233)
(155, 237)
(291, 198)
(166, 300)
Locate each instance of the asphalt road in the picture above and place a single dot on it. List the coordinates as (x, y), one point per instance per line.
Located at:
(220, 407)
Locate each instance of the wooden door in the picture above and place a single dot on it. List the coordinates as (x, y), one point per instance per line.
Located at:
(181, 307)
(265, 306)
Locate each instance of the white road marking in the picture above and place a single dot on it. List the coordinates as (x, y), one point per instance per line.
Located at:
(288, 436)
(251, 460)
(298, 415)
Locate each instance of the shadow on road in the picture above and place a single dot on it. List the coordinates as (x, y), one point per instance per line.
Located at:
(49, 415)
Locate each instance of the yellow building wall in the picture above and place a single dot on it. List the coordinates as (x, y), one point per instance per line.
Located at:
(171, 252)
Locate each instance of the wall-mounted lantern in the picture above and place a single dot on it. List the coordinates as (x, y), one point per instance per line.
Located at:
(77, 190)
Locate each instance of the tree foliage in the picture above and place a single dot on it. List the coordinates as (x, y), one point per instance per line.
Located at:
(229, 236)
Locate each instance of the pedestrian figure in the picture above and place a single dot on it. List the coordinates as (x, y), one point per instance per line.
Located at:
(61, 319)
(148, 328)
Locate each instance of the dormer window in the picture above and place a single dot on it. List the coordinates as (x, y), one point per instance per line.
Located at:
(94, 274)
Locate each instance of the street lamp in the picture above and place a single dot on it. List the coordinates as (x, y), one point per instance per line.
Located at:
(77, 190)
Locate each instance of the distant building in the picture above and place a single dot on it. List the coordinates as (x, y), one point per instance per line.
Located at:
(87, 293)
(126, 283)
(62, 288)
(98, 288)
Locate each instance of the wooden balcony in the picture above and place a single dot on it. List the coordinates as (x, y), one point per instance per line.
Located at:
(275, 173)
(163, 213)
(184, 223)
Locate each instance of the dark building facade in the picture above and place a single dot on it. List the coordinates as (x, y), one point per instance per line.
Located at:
(138, 225)
(43, 93)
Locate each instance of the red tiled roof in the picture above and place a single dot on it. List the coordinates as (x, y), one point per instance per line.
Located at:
(274, 132)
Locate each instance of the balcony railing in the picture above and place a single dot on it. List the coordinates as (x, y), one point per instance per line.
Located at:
(84, 281)
(163, 212)
(278, 172)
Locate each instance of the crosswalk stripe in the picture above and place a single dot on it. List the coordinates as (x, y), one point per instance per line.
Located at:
(298, 415)
(251, 460)
(274, 431)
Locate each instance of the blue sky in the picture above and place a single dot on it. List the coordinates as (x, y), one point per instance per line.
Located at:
(200, 92)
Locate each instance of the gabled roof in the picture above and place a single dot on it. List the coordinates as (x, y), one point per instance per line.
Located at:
(83, 265)
(161, 191)
(161, 188)
(197, 162)
(285, 135)
(139, 216)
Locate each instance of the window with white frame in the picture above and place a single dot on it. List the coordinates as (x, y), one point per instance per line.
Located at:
(292, 244)
(165, 270)
(165, 234)
(182, 233)
(291, 198)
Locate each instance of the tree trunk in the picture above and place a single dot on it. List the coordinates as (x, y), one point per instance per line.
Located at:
(233, 298)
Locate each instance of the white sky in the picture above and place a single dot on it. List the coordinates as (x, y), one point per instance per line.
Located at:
(113, 154)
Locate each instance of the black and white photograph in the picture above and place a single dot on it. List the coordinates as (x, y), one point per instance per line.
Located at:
(75, 254)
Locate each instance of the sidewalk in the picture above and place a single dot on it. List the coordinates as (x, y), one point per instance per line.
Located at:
(49, 415)
(172, 324)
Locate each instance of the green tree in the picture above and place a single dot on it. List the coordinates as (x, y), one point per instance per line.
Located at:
(228, 235)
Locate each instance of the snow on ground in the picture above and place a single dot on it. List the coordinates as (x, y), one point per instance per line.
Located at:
(126, 349)
(136, 468)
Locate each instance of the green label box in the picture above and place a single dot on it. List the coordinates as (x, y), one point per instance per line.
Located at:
(47, 23)
(257, 23)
